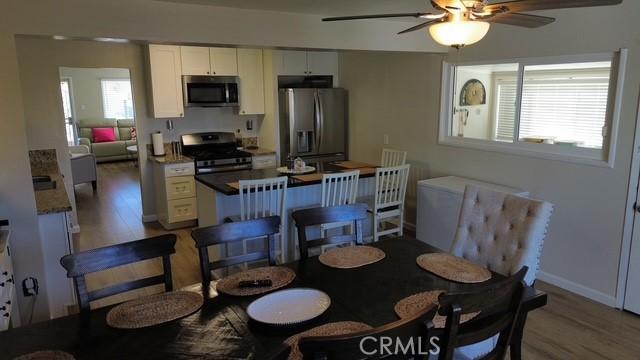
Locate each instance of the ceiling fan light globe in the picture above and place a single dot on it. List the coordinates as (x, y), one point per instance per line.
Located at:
(459, 33)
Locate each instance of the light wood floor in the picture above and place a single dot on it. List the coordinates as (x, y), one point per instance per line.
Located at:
(569, 327)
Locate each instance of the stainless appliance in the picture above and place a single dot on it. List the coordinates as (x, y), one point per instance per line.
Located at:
(215, 152)
(313, 124)
(210, 91)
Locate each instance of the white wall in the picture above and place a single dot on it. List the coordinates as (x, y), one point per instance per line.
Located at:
(17, 200)
(582, 249)
(479, 121)
(86, 89)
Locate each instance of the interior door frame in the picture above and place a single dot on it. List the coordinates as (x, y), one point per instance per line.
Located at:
(630, 213)
(72, 105)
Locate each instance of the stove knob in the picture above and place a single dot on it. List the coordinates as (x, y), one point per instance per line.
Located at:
(237, 160)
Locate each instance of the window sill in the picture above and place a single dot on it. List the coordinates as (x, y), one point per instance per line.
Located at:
(540, 151)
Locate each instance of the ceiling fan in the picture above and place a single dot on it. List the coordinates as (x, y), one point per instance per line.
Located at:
(463, 22)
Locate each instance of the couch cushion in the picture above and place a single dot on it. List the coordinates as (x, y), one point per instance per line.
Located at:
(124, 129)
(85, 126)
(101, 135)
(113, 148)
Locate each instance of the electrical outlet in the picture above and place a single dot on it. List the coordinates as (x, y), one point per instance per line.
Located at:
(385, 139)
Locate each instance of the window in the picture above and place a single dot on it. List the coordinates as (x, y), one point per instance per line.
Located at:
(563, 106)
(116, 99)
(69, 124)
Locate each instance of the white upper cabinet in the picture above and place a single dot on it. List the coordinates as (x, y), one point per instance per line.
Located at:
(308, 63)
(195, 60)
(322, 63)
(199, 60)
(294, 63)
(251, 74)
(166, 81)
(224, 61)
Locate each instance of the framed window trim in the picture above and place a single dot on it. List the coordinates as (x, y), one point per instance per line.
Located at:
(102, 80)
(604, 157)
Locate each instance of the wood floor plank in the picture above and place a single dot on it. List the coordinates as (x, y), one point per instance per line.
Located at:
(569, 327)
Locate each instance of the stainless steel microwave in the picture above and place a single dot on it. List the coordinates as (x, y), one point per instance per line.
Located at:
(210, 91)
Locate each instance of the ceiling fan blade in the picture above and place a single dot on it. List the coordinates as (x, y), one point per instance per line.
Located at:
(533, 5)
(376, 16)
(419, 26)
(517, 19)
(448, 4)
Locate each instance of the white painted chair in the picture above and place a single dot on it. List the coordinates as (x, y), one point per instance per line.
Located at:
(388, 204)
(502, 232)
(391, 157)
(339, 189)
(261, 198)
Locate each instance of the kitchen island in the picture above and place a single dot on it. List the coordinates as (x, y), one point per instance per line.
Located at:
(218, 200)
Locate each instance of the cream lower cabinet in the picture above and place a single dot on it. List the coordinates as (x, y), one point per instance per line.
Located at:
(176, 205)
(251, 75)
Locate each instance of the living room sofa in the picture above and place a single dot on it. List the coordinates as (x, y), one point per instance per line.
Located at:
(111, 150)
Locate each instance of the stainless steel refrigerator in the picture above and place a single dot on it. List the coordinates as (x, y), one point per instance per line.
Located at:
(313, 124)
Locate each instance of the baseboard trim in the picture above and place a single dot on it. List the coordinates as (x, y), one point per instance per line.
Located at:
(149, 218)
(410, 226)
(576, 288)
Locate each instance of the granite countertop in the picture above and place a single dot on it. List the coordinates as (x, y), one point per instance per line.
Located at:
(170, 159)
(44, 162)
(219, 181)
(260, 151)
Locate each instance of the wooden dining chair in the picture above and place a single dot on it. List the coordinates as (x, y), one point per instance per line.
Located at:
(499, 307)
(353, 213)
(339, 189)
(388, 202)
(262, 198)
(391, 157)
(418, 328)
(234, 232)
(86, 262)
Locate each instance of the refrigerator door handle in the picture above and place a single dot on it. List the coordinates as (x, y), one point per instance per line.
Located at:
(321, 120)
(317, 123)
(292, 123)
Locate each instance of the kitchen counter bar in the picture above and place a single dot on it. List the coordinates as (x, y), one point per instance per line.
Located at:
(219, 182)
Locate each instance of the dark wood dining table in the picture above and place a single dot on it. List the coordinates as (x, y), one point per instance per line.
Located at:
(221, 329)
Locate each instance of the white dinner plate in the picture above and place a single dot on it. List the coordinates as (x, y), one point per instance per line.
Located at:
(289, 306)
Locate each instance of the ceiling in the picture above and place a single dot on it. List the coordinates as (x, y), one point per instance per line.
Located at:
(322, 7)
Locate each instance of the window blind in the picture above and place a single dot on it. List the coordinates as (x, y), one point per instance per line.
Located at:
(116, 99)
(566, 109)
(505, 111)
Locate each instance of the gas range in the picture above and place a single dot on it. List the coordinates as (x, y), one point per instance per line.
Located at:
(215, 152)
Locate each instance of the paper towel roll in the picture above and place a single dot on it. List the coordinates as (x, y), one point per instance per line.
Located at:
(158, 143)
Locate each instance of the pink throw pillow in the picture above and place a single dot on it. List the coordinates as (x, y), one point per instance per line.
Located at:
(103, 135)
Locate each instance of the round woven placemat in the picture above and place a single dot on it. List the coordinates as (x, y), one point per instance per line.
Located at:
(414, 303)
(280, 276)
(453, 268)
(330, 329)
(154, 309)
(46, 355)
(351, 257)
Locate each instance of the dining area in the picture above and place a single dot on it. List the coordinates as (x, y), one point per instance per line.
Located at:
(341, 295)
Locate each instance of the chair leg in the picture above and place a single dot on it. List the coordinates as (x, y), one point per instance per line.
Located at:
(94, 184)
(375, 228)
(401, 224)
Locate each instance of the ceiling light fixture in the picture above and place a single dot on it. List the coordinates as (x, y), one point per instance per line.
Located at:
(459, 32)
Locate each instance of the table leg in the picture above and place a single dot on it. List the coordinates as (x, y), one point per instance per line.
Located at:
(516, 337)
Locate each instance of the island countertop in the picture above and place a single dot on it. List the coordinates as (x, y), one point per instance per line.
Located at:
(219, 182)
